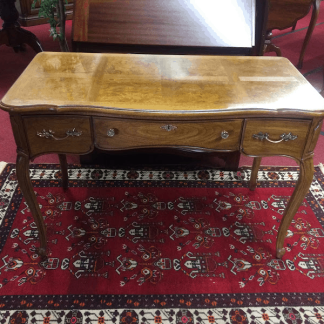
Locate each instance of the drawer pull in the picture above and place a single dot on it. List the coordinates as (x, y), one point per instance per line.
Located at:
(169, 128)
(224, 134)
(50, 134)
(284, 137)
(111, 132)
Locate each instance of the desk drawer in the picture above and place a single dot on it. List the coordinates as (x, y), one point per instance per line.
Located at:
(118, 134)
(59, 134)
(275, 137)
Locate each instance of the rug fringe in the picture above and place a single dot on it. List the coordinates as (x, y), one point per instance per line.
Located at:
(321, 166)
(2, 166)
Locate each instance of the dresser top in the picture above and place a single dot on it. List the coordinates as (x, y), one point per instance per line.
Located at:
(125, 83)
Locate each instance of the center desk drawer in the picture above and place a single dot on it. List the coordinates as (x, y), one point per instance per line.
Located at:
(59, 134)
(126, 134)
(275, 137)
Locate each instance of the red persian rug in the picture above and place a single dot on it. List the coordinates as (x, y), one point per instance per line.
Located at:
(161, 246)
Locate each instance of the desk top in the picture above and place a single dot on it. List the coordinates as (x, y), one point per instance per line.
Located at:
(128, 83)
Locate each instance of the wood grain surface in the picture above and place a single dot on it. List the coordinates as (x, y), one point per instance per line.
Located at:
(284, 14)
(275, 128)
(59, 125)
(125, 83)
(167, 22)
(135, 134)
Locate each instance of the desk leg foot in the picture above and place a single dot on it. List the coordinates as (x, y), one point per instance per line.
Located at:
(304, 181)
(280, 253)
(254, 173)
(269, 46)
(22, 169)
(42, 253)
(65, 177)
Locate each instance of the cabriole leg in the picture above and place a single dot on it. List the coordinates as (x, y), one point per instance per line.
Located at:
(27, 189)
(312, 24)
(254, 173)
(304, 181)
(64, 170)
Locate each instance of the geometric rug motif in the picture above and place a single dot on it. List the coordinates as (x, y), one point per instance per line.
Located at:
(161, 245)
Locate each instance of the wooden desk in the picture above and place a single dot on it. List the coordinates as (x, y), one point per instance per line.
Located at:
(70, 103)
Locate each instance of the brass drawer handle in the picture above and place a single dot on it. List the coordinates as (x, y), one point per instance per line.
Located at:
(50, 134)
(111, 132)
(224, 134)
(284, 137)
(169, 128)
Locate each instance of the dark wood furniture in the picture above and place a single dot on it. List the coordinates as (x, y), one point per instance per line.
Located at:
(70, 103)
(11, 33)
(168, 27)
(29, 17)
(284, 14)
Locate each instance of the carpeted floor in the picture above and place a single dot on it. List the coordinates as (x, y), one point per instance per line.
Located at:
(161, 246)
(11, 66)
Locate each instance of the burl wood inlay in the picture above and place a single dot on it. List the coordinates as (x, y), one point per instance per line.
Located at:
(70, 103)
